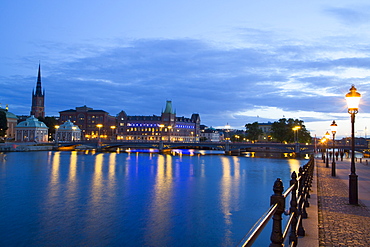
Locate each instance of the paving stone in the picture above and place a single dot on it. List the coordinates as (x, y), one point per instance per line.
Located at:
(340, 224)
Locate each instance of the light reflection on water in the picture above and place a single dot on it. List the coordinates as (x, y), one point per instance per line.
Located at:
(132, 199)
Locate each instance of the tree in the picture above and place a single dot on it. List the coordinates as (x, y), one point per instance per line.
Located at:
(3, 123)
(50, 122)
(282, 131)
(237, 138)
(253, 131)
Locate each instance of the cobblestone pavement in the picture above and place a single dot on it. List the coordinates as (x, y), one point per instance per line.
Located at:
(340, 224)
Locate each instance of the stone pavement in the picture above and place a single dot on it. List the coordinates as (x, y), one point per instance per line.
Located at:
(339, 223)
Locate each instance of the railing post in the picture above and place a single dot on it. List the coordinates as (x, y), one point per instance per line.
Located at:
(301, 231)
(293, 237)
(277, 234)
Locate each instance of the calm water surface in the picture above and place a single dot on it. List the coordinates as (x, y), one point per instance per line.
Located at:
(132, 199)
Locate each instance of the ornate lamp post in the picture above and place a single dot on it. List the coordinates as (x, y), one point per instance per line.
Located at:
(327, 137)
(353, 100)
(333, 131)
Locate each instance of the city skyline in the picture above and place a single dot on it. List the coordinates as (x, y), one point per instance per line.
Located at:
(233, 63)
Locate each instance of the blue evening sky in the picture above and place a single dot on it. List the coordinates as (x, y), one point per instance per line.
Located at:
(234, 62)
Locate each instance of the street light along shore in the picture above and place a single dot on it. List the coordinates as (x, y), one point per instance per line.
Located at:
(333, 131)
(353, 101)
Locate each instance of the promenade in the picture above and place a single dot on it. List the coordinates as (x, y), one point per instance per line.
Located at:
(332, 221)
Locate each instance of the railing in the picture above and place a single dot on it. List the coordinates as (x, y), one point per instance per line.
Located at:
(299, 190)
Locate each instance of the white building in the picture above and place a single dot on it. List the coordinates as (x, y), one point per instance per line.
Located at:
(210, 135)
(31, 130)
(68, 132)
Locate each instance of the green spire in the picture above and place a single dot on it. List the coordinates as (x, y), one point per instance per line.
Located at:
(168, 107)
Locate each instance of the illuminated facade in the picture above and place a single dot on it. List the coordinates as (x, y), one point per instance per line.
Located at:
(88, 120)
(31, 130)
(266, 131)
(68, 132)
(11, 122)
(166, 127)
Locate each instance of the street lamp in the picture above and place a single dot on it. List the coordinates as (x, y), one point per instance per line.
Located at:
(74, 128)
(295, 129)
(353, 100)
(169, 127)
(99, 127)
(113, 128)
(56, 133)
(327, 136)
(333, 131)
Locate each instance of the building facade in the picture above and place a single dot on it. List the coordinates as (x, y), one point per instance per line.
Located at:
(67, 132)
(38, 99)
(166, 127)
(11, 122)
(91, 122)
(210, 135)
(266, 131)
(31, 130)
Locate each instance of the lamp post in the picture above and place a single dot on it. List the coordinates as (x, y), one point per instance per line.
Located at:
(56, 133)
(73, 134)
(333, 131)
(161, 126)
(113, 128)
(99, 127)
(295, 133)
(327, 137)
(169, 132)
(322, 153)
(353, 100)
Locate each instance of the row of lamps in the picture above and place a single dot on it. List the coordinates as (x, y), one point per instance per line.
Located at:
(353, 101)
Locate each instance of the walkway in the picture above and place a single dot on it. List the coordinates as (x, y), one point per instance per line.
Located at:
(339, 223)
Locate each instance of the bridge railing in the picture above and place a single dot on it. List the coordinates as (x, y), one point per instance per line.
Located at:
(299, 190)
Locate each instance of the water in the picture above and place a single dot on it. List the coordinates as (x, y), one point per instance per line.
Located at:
(132, 199)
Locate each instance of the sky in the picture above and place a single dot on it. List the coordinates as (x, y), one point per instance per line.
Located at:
(233, 62)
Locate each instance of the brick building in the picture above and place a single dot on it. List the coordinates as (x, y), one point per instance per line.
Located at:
(89, 120)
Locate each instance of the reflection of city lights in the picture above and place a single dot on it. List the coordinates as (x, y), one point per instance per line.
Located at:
(162, 203)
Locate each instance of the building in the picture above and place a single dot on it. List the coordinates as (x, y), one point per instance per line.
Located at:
(166, 127)
(210, 135)
(11, 122)
(31, 130)
(266, 131)
(91, 122)
(38, 99)
(67, 132)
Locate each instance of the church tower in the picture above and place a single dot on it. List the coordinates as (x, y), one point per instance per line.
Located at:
(38, 98)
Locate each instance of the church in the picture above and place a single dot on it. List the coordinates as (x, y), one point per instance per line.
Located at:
(38, 99)
(32, 129)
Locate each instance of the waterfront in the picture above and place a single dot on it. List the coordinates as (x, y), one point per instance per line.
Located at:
(133, 199)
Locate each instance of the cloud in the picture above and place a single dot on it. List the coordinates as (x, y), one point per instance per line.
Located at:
(224, 84)
(357, 15)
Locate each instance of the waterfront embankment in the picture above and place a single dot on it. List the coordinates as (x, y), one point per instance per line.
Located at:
(337, 222)
(24, 147)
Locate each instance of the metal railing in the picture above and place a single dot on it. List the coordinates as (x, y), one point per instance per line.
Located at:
(299, 190)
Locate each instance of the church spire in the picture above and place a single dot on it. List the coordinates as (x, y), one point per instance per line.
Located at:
(38, 85)
(38, 98)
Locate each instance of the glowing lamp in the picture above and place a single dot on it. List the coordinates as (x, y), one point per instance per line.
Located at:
(333, 127)
(353, 100)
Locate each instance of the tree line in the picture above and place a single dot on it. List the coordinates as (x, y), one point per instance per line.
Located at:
(281, 131)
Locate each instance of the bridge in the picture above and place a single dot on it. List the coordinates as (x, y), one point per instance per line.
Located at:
(228, 147)
(222, 146)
